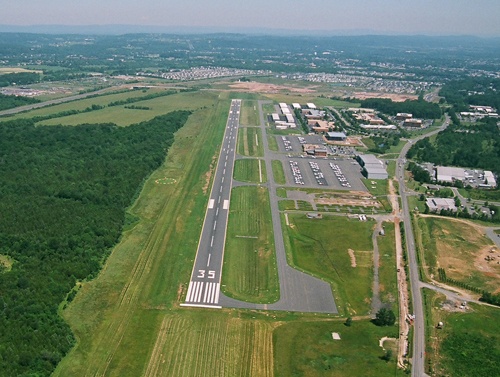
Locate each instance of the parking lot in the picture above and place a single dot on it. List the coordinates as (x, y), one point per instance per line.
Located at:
(338, 174)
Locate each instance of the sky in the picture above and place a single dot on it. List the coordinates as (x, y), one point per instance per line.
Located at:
(430, 17)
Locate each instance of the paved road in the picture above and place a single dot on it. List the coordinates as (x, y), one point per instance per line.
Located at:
(298, 291)
(418, 357)
(204, 286)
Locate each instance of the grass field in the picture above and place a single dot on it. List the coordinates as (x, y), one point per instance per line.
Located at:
(249, 113)
(322, 248)
(379, 190)
(272, 143)
(388, 284)
(467, 345)
(278, 172)
(250, 142)
(119, 114)
(114, 316)
(249, 271)
(459, 248)
(250, 170)
(307, 349)
(6, 70)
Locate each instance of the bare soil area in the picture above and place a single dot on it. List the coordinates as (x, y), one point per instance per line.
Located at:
(258, 87)
(354, 198)
(393, 96)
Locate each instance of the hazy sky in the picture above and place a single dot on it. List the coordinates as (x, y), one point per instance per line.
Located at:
(476, 17)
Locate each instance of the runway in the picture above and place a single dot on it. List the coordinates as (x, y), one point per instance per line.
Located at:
(204, 286)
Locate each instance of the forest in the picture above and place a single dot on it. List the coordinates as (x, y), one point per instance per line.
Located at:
(419, 109)
(9, 102)
(475, 146)
(63, 199)
(472, 91)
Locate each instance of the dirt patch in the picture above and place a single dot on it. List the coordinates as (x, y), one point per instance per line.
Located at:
(488, 262)
(353, 257)
(393, 96)
(258, 87)
(208, 176)
(353, 198)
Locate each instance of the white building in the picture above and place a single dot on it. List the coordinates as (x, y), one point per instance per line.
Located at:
(489, 179)
(449, 174)
(437, 204)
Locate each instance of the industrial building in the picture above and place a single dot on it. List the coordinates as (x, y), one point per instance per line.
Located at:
(449, 174)
(380, 127)
(438, 204)
(373, 168)
(489, 179)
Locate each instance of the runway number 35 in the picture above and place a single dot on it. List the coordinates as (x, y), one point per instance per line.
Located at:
(201, 274)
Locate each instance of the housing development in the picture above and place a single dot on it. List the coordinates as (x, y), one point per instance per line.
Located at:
(237, 205)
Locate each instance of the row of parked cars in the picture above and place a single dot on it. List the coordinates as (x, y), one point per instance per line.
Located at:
(297, 174)
(340, 176)
(318, 174)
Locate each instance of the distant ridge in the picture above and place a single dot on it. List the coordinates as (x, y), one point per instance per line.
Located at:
(157, 29)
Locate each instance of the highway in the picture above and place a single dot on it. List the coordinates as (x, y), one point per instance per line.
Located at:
(204, 285)
(418, 357)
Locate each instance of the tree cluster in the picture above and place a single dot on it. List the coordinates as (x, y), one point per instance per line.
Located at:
(63, 196)
(9, 102)
(419, 108)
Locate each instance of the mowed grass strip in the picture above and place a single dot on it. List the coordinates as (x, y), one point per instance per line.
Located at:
(278, 172)
(250, 170)
(249, 113)
(125, 117)
(147, 273)
(321, 247)
(307, 349)
(250, 142)
(249, 272)
(203, 343)
(388, 284)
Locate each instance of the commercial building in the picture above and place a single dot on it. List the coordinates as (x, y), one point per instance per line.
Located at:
(438, 204)
(296, 106)
(380, 127)
(315, 150)
(373, 168)
(336, 136)
(321, 126)
(311, 106)
(413, 123)
(403, 116)
(489, 179)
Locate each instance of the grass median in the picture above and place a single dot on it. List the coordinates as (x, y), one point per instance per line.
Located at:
(249, 272)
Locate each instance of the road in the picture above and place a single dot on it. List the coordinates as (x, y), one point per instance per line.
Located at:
(204, 286)
(418, 357)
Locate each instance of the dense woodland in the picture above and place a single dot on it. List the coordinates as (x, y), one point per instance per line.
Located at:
(472, 91)
(419, 108)
(475, 146)
(63, 196)
(9, 102)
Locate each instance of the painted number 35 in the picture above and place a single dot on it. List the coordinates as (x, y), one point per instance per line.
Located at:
(201, 274)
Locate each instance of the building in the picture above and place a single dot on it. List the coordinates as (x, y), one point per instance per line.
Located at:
(296, 106)
(275, 117)
(336, 136)
(289, 118)
(413, 123)
(373, 168)
(313, 114)
(315, 150)
(321, 126)
(449, 174)
(438, 204)
(403, 116)
(380, 127)
(311, 106)
(489, 179)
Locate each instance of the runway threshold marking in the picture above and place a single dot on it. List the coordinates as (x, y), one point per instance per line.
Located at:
(211, 203)
(226, 204)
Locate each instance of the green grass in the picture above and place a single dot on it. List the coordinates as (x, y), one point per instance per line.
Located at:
(124, 117)
(486, 195)
(467, 345)
(249, 272)
(146, 275)
(307, 349)
(281, 192)
(249, 113)
(321, 248)
(250, 142)
(391, 168)
(272, 143)
(379, 190)
(387, 266)
(291, 205)
(247, 170)
(278, 172)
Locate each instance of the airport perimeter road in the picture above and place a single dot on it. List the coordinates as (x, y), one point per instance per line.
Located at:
(204, 286)
(418, 357)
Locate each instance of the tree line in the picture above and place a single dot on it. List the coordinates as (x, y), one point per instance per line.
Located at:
(419, 108)
(63, 196)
